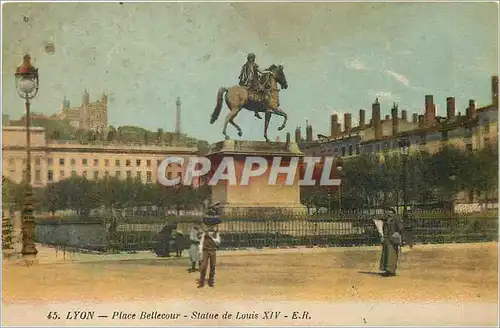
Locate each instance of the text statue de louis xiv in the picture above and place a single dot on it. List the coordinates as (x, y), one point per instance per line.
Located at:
(257, 91)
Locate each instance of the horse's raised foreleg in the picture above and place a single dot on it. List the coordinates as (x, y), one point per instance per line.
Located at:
(266, 124)
(281, 113)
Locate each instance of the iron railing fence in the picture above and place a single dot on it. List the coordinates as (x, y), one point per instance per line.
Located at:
(269, 228)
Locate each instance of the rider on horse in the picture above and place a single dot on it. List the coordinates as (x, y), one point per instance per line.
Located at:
(250, 76)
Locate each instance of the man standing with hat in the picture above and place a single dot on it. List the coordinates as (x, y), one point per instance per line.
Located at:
(209, 241)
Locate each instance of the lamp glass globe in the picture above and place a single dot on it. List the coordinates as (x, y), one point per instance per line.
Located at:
(26, 85)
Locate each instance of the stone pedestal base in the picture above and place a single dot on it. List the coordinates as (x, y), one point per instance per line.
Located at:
(262, 210)
(258, 198)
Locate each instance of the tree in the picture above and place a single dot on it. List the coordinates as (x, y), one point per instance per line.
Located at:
(81, 135)
(54, 135)
(419, 177)
(389, 183)
(52, 198)
(111, 134)
(159, 136)
(203, 147)
(361, 178)
(12, 194)
(449, 172)
(79, 195)
(482, 171)
(91, 136)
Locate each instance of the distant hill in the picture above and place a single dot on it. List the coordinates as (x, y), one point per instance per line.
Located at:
(54, 128)
(57, 129)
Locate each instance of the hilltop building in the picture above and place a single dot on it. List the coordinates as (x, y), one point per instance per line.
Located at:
(89, 116)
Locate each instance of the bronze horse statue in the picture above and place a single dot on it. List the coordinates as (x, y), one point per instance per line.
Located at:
(238, 97)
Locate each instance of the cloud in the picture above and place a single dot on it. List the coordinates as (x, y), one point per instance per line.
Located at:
(358, 65)
(355, 64)
(383, 95)
(398, 77)
(389, 48)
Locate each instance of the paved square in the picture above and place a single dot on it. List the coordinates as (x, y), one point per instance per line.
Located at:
(446, 274)
(426, 272)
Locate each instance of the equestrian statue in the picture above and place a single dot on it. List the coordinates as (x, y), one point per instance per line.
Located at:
(257, 91)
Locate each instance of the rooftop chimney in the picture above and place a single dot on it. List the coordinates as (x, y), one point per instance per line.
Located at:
(387, 118)
(333, 126)
(377, 126)
(430, 110)
(362, 115)
(404, 115)
(472, 109)
(414, 118)
(298, 136)
(104, 98)
(86, 98)
(66, 103)
(395, 119)
(288, 138)
(309, 133)
(494, 90)
(421, 121)
(347, 122)
(450, 107)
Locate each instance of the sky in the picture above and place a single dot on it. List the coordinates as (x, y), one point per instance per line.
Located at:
(338, 57)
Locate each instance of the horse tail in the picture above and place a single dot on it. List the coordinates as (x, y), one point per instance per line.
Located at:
(218, 107)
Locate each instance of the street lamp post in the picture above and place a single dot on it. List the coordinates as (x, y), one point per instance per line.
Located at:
(330, 201)
(339, 168)
(27, 83)
(404, 146)
(453, 179)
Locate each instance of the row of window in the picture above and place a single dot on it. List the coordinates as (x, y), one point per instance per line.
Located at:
(350, 150)
(128, 162)
(11, 161)
(85, 162)
(118, 174)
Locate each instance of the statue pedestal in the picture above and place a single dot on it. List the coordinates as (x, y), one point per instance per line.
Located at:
(258, 198)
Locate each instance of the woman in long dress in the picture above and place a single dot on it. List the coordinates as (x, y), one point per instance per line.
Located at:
(391, 243)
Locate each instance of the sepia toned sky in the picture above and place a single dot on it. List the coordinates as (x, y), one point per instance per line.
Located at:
(337, 57)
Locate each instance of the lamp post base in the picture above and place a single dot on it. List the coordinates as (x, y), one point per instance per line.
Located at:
(29, 250)
(28, 224)
(29, 259)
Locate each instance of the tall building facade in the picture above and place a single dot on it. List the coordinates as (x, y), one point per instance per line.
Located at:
(57, 160)
(472, 129)
(89, 115)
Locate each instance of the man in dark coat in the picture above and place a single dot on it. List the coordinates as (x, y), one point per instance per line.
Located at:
(391, 243)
